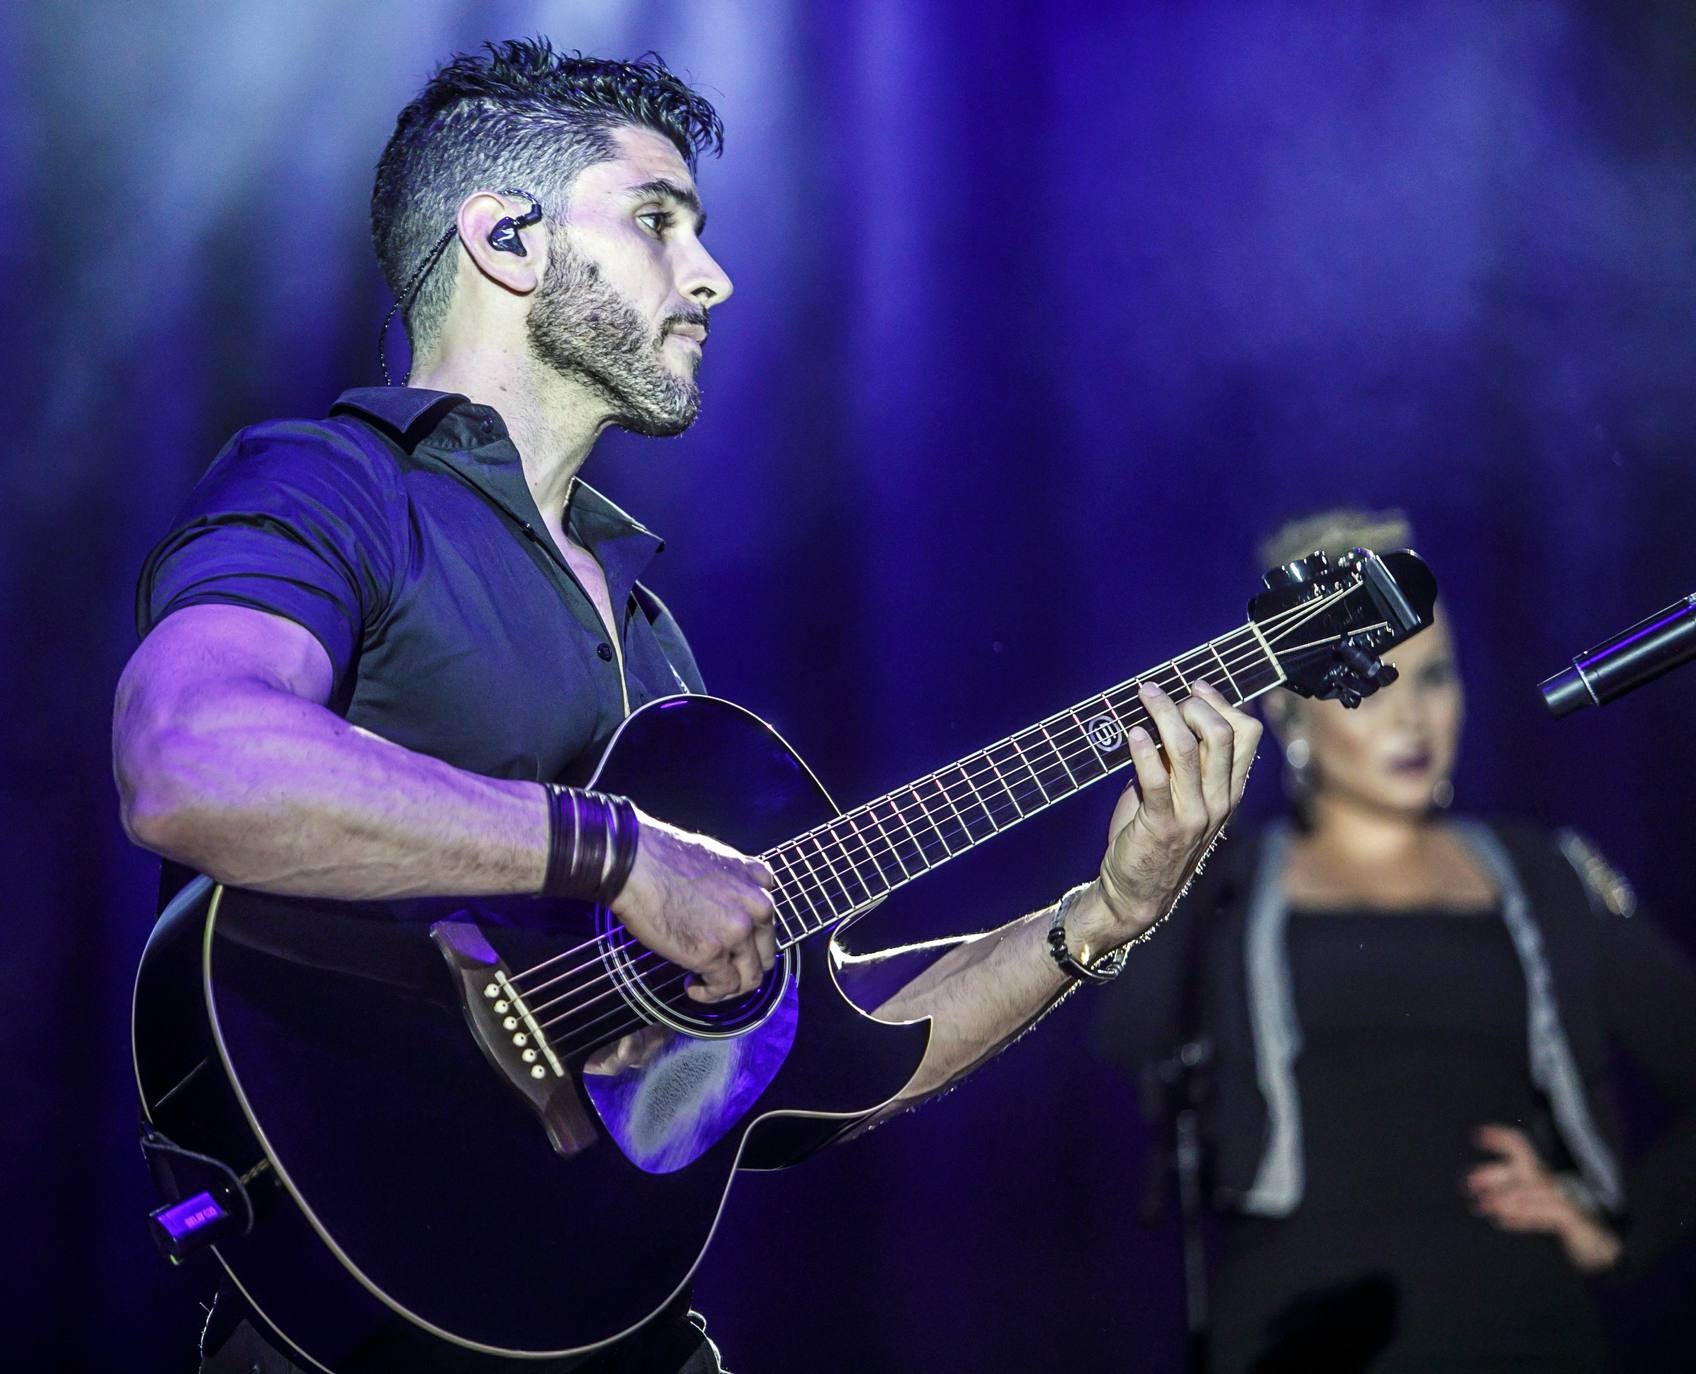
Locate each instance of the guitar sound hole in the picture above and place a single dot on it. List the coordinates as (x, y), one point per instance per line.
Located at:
(656, 990)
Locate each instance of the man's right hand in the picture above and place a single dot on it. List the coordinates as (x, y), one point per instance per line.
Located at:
(703, 906)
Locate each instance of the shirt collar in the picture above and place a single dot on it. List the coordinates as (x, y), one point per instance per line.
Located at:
(397, 408)
(472, 438)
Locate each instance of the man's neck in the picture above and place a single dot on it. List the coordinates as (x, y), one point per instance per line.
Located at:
(553, 420)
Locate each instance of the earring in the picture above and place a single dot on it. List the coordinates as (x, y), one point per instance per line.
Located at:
(1298, 770)
(1442, 794)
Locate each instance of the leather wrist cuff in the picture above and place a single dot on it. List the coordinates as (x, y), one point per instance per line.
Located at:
(592, 839)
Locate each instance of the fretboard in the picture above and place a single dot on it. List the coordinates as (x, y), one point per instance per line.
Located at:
(861, 856)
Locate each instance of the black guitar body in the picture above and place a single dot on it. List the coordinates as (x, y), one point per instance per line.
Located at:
(483, 1135)
(432, 1194)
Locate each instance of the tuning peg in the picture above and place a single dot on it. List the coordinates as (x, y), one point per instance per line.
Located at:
(1299, 572)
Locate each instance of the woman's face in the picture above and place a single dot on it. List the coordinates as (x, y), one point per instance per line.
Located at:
(1391, 750)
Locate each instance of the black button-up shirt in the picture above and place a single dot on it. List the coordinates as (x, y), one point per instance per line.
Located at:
(400, 531)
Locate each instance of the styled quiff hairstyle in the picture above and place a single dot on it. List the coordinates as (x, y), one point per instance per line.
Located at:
(518, 114)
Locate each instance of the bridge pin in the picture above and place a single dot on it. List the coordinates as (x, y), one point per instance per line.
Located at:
(492, 990)
(503, 1005)
(511, 1023)
(537, 1071)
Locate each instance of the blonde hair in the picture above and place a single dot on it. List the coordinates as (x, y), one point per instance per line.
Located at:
(1335, 531)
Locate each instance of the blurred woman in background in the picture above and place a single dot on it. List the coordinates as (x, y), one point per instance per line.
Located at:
(1407, 1019)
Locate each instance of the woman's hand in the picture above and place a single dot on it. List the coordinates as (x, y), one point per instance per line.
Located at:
(1519, 1194)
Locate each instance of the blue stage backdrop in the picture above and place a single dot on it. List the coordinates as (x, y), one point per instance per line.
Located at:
(1043, 313)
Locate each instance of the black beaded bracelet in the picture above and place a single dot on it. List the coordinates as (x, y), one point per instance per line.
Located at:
(1103, 970)
(592, 840)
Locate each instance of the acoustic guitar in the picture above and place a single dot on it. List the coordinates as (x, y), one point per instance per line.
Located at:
(480, 1134)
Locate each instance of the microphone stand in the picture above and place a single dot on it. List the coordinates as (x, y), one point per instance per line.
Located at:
(1181, 1085)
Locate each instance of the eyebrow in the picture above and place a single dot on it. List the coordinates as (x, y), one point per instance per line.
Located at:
(662, 189)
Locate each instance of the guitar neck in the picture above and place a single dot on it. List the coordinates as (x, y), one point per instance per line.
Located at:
(854, 861)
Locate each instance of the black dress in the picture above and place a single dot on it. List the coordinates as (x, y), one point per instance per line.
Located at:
(1413, 1035)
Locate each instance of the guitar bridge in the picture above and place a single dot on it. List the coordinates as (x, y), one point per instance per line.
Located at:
(510, 1037)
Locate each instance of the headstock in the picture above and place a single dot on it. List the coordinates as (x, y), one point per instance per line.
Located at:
(1327, 622)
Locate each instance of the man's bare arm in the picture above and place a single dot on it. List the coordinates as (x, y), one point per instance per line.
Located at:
(228, 760)
(985, 990)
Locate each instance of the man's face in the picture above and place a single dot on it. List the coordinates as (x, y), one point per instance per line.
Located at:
(624, 303)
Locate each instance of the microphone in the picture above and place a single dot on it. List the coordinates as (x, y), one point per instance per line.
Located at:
(1625, 662)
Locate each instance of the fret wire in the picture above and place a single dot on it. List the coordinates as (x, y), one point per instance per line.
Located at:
(859, 834)
(1018, 810)
(842, 844)
(912, 834)
(1013, 742)
(830, 869)
(818, 885)
(1107, 701)
(994, 829)
(807, 883)
(1091, 750)
(1235, 690)
(949, 850)
(1049, 739)
(936, 781)
(1060, 757)
(899, 811)
(778, 857)
(783, 922)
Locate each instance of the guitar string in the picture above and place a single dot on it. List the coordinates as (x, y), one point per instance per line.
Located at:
(868, 895)
(901, 813)
(593, 1032)
(635, 1021)
(898, 812)
(1009, 813)
(879, 864)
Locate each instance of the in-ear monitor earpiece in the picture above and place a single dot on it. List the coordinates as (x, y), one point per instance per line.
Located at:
(504, 237)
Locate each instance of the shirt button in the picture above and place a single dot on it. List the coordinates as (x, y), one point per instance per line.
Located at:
(487, 425)
(605, 651)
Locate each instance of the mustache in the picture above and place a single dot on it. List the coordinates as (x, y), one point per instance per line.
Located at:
(696, 317)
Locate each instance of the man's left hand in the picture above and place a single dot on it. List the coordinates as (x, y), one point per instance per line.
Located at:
(1169, 816)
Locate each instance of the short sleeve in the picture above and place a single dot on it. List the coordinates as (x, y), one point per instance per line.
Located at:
(293, 518)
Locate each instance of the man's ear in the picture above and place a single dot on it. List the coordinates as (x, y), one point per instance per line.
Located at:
(520, 274)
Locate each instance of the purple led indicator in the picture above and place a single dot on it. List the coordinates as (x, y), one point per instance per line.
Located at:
(189, 1215)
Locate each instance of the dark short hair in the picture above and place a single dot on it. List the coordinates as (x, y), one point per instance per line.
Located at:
(516, 114)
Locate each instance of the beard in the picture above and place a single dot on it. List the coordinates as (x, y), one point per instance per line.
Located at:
(581, 328)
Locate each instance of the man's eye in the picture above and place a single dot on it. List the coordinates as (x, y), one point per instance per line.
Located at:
(658, 221)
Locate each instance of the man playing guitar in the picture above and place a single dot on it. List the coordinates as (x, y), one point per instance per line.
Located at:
(382, 649)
